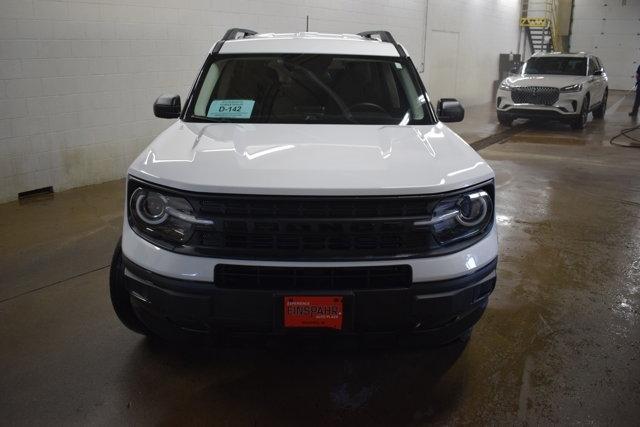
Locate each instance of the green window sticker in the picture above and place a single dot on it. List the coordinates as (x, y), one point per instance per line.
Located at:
(231, 108)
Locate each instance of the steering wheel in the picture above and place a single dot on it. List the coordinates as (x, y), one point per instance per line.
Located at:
(367, 105)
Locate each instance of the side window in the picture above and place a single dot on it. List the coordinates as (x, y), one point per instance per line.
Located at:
(207, 89)
(600, 66)
(593, 66)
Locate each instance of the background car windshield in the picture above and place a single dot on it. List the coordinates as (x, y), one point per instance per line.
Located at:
(561, 66)
(308, 88)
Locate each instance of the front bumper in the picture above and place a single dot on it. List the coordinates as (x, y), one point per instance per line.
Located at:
(201, 269)
(568, 106)
(440, 310)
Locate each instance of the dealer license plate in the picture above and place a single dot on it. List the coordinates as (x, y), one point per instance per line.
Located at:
(313, 312)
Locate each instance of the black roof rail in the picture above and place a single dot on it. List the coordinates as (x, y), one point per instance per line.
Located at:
(383, 36)
(232, 34)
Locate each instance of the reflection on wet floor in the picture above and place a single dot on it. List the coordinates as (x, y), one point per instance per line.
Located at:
(559, 343)
(318, 384)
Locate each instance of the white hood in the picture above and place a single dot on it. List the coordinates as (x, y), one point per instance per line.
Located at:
(310, 159)
(545, 80)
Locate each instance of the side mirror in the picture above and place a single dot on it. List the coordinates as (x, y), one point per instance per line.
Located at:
(450, 110)
(514, 70)
(167, 107)
(598, 72)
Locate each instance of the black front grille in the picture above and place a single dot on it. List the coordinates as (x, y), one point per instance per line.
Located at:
(304, 278)
(539, 95)
(314, 207)
(386, 237)
(314, 227)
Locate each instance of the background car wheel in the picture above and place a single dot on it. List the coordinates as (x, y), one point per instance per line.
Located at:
(120, 298)
(599, 112)
(504, 119)
(580, 121)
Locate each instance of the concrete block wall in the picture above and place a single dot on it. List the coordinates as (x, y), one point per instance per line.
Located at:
(611, 30)
(78, 77)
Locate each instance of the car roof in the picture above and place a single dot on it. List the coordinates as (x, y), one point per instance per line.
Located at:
(310, 42)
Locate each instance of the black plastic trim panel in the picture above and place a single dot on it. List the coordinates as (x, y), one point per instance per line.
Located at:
(526, 113)
(444, 307)
(385, 36)
(232, 34)
(257, 277)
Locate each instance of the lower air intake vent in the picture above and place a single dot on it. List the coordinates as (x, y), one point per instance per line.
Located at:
(306, 278)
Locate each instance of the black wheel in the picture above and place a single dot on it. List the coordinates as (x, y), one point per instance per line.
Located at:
(504, 119)
(120, 298)
(599, 112)
(580, 121)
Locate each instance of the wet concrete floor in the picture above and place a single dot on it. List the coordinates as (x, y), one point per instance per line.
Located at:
(559, 343)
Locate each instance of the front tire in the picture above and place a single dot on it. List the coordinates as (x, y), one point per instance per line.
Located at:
(120, 298)
(581, 121)
(599, 112)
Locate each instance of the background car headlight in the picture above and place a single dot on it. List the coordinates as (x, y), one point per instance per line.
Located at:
(505, 86)
(462, 217)
(161, 216)
(572, 88)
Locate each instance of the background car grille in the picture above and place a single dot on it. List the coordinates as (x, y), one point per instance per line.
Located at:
(539, 95)
(308, 278)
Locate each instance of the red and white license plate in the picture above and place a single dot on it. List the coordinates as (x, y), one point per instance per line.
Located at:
(313, 312)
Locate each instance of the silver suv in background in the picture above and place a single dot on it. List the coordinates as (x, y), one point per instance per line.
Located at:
(559, 86)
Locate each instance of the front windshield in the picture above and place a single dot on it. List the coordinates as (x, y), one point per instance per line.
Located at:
(309, 88)
(565, 66)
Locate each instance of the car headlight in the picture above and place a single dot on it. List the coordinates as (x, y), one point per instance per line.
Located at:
(505, 86)
(161, 216)
(572, 88)
(462, 217)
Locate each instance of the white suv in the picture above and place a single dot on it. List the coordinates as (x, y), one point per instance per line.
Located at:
(307, 184)
(558, 86)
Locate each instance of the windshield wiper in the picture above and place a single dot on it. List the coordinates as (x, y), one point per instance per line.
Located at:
(204, 119)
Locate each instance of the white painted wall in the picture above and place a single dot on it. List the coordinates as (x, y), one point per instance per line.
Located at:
(78, 77)
(611, 30)
(478, 31)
